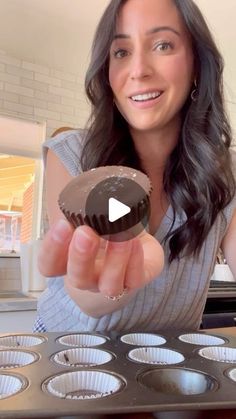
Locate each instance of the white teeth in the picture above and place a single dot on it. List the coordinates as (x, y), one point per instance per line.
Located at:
(145, 96)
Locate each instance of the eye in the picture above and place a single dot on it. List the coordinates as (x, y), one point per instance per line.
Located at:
(120, 53)
(163, 46)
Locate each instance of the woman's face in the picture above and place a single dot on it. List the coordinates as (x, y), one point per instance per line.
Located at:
(151, 63)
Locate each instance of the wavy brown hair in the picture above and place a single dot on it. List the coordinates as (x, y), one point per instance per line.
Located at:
(198, 177)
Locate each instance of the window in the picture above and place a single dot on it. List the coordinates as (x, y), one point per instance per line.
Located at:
(21, 182)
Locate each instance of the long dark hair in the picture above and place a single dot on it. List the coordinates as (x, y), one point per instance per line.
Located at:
(198, 177)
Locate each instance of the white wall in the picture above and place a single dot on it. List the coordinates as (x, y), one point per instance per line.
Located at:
(50, 35)
(220, 16)
(55, 33)
(41, 93)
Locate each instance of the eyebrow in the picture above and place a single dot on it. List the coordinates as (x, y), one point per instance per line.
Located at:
(149, 32)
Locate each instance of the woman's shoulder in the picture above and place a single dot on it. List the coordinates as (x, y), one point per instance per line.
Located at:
(230, 208)
(67, 145)
(72, 139)
(233, 159)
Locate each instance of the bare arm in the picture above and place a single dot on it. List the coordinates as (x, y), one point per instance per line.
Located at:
(93, 267)
(229, 245)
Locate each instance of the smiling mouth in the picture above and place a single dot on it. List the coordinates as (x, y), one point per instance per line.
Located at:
(145, 97)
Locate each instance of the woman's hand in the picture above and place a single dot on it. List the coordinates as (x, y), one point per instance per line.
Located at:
(94, 264)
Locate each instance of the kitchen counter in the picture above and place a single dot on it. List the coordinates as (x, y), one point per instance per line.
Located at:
(222, 289)
(230, 331)
(10, 301)
(9, 255)
(222, 293)
(16, 301)
(18, 311)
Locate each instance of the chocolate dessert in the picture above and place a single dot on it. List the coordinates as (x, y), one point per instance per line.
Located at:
(85, 199)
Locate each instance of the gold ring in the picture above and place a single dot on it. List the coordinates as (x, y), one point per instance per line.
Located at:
(117, 297)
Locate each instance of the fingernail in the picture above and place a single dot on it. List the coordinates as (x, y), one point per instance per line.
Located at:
(83, 241)
(61, 231)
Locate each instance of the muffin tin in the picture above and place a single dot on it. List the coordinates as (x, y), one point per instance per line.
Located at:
(78, 374)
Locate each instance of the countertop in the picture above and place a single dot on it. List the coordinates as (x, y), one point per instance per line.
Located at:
(9, 255)
(13, 301)
(9, 301)
(230, 331)
(222, 292)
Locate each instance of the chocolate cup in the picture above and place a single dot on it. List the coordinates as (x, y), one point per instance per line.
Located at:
(85, 200)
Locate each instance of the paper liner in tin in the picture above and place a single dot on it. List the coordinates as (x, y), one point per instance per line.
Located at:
(201, 339)
(219, 353)
(232, 374)
(143, 339)
(151, 355)
(17, 341)
(16, 359)
(80, 339)
(9, 385)
(84, 385)
(82, 357)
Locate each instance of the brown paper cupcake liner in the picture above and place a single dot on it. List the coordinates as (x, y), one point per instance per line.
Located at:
(101, 223)
(84, 200)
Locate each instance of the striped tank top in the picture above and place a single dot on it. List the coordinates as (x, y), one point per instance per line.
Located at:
(174, 300)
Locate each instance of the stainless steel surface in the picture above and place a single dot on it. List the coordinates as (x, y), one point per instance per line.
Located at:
(178, 381)
(197, 384)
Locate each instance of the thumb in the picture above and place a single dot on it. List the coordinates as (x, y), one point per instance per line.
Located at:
(53, 253)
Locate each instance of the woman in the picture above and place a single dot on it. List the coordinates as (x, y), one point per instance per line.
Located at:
(155, 85)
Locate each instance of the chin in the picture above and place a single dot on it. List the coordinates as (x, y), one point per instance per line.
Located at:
(144, 126)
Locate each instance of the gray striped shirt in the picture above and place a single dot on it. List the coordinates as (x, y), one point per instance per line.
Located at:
(174, 300)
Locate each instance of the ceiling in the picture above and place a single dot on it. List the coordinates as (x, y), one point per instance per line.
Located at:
(55, 33)
(58, 33)
(16, 175)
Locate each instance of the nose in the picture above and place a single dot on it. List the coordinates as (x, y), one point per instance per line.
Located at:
(140, 66)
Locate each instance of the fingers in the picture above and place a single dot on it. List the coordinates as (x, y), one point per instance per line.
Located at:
(81, 258)
(92, 263)
(153, 257)
(109, 267)
(112, 276)
(134, 277)
(52, 259)
(146, 261)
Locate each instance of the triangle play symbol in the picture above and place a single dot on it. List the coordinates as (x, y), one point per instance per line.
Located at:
(116, 209)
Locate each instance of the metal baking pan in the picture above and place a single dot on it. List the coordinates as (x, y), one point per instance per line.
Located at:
(47, 375)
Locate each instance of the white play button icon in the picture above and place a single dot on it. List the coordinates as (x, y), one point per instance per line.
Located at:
(116, 209)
